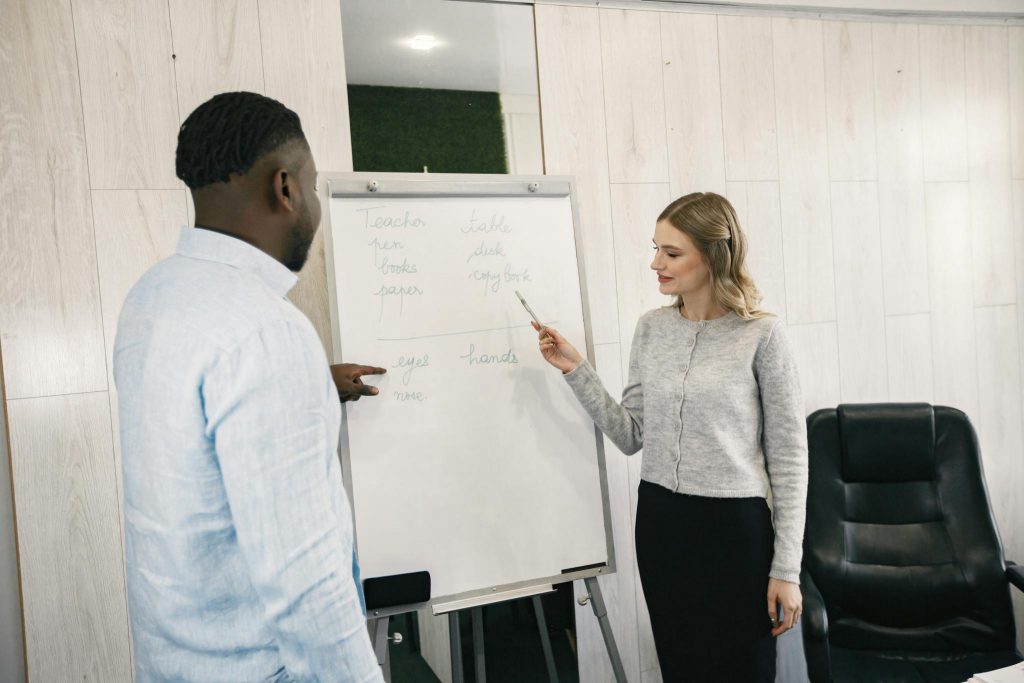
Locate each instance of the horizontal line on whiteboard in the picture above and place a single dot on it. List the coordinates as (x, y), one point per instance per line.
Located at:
(452, 334)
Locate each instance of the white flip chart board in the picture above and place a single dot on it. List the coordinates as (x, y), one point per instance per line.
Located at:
(475, 462)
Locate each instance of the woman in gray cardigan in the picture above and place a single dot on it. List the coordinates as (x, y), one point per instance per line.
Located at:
(714, 400)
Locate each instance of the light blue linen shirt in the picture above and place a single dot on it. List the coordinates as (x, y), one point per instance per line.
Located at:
(238, 531)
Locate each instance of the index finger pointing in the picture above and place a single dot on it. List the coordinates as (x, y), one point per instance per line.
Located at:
(361, 370)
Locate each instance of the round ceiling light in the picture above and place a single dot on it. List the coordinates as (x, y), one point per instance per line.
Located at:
(423, 42)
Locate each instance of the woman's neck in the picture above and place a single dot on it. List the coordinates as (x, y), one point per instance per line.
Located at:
(697, 307)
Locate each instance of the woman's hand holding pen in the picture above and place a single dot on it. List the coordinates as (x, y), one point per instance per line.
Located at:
(556, 350)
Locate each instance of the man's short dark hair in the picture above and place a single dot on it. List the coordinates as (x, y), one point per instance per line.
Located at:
(228, 133)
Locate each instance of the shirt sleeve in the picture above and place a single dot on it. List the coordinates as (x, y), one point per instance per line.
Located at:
(268, 411)
(623, 422)
(785, 449)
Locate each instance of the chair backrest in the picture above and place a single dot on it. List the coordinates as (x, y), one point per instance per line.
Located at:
(900, 536)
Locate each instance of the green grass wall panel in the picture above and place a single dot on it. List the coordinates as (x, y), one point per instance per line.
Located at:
(405, 129)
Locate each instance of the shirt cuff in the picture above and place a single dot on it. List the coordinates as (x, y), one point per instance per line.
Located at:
(578, 372)
(785, 576)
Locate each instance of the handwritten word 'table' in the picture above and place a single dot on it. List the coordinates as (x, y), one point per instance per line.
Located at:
(495, 224)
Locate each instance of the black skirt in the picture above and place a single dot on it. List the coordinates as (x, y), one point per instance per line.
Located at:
(704, 566)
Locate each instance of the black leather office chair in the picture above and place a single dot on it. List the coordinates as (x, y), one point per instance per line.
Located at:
(903, 576)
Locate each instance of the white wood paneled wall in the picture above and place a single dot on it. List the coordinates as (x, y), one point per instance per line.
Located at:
(94, 93)
(12, 628)
(521, 117)
(878, 169)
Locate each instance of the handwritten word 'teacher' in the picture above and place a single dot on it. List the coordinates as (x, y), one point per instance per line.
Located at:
(411, 363)
(495, 224)
(373, 219)
(385, 292)
(474, 358)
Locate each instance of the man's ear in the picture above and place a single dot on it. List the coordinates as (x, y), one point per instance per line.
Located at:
(283, 190)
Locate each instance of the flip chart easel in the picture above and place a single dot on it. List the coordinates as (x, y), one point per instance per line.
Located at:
(475, 463)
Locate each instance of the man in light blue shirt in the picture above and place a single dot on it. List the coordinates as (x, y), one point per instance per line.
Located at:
(238, 532)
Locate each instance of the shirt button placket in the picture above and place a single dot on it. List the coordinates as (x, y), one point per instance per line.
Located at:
(691, 345)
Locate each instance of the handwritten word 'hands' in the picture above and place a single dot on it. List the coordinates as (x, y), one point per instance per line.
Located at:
(350, 387)
(556, 350)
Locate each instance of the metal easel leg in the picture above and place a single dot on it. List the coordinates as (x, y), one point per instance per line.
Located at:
(456, 647)
(477, 614)
(380, 645)
(597, 603)
(545, 639)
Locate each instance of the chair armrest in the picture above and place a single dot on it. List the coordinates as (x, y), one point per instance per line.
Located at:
(814, 628)
(1015, 575)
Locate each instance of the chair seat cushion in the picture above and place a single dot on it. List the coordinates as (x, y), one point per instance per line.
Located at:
(856, 666)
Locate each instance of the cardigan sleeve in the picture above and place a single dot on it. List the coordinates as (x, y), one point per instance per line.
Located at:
(623, 422)
(784, 440)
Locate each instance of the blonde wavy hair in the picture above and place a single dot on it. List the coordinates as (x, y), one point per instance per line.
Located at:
(709, 220)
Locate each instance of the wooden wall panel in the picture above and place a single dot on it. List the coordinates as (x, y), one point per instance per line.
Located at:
(884, 138)
(217, 49)
(635, 208)
(757, 207)
(573, 121)
(69, 539)
(791, 667)
(634, 106)
(435, 643)
(134, 230)
(989, 157)
(849, 93)
(900, 168)
(999, 420)
(803, 170)
(621, 590)
(651, 676)
(748, 98)
(955, 376)
(523, 143)
(1018, 227)
(128, 96)
(12, 624)
(860, 306)
(49, 301)
(1016, 52)
(693, 103)
(909, 348)
(310, 296)
(311, 81)
(943, 102)
(1018, 213)
(816, 348)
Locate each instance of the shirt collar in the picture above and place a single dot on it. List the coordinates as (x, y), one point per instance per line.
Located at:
(213, 246)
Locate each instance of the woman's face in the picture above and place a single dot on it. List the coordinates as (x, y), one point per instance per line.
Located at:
(680, 265)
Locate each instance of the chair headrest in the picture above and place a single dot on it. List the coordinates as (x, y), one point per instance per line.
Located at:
(887, 442)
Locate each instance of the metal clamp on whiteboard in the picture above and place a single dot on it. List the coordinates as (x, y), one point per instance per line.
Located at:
(533, 187)
(372, 186)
